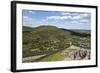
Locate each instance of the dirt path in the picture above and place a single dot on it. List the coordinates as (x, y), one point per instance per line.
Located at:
(26, 59)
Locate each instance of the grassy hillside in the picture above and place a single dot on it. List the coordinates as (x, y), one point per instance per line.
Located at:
(48, 39)
(25, 28)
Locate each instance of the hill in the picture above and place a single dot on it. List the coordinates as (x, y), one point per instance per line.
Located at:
(47, 39)
(79, 32)
(26, 28)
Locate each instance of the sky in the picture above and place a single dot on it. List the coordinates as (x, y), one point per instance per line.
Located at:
(66, 20)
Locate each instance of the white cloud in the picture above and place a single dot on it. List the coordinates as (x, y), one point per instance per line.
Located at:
(28, 21)
(70, 13)
(73, 22)
(69, 16)
(32, 12)
(85, 14)
(77, 17)
(81, 16)
(53, 17)
(58, 17)
(65, 13)
(25, 17)
(84, 21)
(64, 17)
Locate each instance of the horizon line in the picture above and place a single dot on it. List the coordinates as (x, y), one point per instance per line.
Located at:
(55, 26)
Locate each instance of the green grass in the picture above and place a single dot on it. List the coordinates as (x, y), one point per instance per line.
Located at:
(53, 57)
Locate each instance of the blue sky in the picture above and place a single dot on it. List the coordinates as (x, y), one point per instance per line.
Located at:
(67, 20)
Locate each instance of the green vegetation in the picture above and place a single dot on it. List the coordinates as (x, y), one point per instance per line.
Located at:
(53, 57)
(47, 39)
(44, 39)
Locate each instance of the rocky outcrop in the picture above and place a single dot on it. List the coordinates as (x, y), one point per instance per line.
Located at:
(76, 53)
(80, 54)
